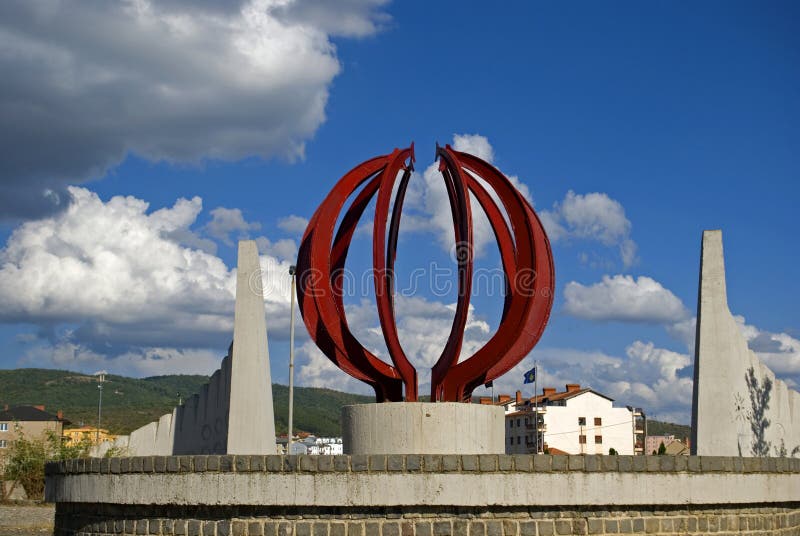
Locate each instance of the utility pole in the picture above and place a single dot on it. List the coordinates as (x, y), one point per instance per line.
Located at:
(292, 271)
(101, 377)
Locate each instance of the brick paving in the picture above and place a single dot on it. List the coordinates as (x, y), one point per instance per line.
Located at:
(26, 520)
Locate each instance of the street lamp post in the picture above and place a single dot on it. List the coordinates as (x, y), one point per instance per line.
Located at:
(101, 377)
(292, 271)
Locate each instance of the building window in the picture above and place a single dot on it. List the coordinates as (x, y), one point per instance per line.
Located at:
(581, 421)
(3, 427)
(511, 423)
(582, 439)
(518, 421)
(3, 443)
(598, 421)
(510, 440)
(518, 439)
(598, 439)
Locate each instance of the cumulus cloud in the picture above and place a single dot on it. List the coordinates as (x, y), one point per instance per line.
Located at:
(779, 351)
(429, 205)
(285, 248)
(651, 379)
(139, 362)
(624, 298)
(293, 224)
(352, 18)
(134, 297)
(225, 221)
(423, 327)
(592, 216)
(655, 379)
(86, 83)
(110, 259)
(684, 331)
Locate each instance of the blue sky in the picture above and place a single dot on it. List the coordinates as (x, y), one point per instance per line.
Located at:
(141, 142)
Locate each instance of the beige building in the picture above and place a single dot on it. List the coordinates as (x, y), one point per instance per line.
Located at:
(30, 421)
(94, 435)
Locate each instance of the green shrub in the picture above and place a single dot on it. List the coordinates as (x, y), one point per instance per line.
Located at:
(27, 457)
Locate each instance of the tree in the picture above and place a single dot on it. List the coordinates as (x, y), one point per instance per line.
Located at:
(27, 457)
(662, 449)
(612, 451)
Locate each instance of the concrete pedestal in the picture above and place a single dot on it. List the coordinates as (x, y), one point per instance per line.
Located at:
(423, 428)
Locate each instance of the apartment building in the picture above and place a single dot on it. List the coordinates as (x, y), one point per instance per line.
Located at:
(574, 421)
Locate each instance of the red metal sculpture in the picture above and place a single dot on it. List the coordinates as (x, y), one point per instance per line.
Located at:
(526, 259)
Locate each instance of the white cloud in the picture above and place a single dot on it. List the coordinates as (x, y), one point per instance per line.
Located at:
(655, 379)
(284, 248)
(352, 18)
(427, 196)
(623, 298)
(86, 83)
(474, 144)
(779, 351)
(116, 274)
(316, 370)
(592, 216)
(684, 331)
(423, 327)
(140, 362)
(293, 224)
(655, 383)
(225, 221)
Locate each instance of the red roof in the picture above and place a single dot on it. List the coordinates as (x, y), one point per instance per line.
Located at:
(565, 395)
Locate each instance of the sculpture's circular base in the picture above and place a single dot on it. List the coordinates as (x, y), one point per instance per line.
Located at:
(423, 428)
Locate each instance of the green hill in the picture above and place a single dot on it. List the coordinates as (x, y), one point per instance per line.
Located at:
(680, 431)
(129, 403)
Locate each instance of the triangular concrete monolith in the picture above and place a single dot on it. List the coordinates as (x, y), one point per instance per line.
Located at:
(251, 417)
(739, 407)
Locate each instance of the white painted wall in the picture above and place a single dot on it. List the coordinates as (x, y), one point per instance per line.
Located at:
(563, 432)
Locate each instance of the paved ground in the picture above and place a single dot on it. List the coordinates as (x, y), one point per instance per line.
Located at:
(26, 520)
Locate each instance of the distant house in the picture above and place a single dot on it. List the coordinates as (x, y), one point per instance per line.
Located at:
(574, 421)
(94, 435)
(30, 421)
(678, 448)
(653, 442)
(673, 445)
(326, 446)
(311, 444)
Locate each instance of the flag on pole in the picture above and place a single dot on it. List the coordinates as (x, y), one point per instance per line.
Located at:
(530, 376)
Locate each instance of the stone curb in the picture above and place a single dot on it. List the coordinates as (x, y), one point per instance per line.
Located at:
(422, 463)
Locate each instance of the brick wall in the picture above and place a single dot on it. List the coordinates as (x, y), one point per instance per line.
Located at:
(404, 521)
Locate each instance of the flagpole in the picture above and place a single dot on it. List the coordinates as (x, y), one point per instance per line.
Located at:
(536, 406)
